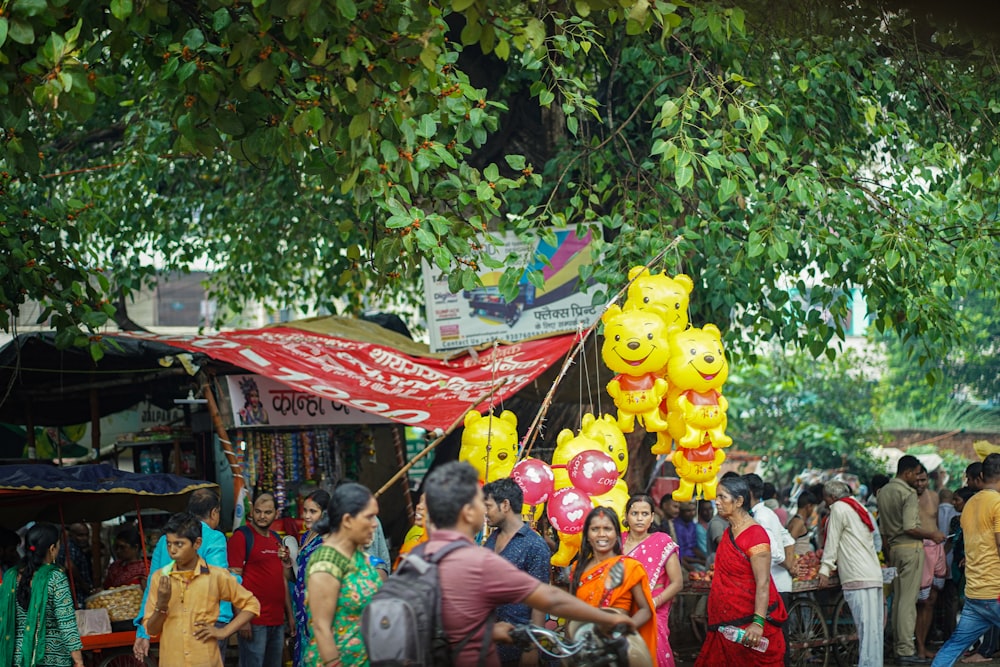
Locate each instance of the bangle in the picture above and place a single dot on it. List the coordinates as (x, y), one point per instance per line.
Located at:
(759, 620)
(161, 611)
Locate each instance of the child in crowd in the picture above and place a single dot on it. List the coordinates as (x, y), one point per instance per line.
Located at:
(185, 605)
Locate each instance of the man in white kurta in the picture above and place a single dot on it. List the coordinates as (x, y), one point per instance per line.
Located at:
(850, 549)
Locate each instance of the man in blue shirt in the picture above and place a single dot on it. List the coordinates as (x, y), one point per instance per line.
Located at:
(692, 557)
(204, 504)
(518, 544)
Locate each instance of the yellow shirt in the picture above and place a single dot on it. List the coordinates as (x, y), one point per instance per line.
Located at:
(194, 600)
(980, 525)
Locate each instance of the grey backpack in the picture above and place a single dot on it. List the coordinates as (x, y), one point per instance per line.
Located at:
(401, 625)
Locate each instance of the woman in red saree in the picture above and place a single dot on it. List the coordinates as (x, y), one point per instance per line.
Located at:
(742, 594)
(658, 555)
(595, 577)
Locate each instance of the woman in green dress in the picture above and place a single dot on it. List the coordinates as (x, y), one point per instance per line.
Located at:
(340, 579)
(37, 618)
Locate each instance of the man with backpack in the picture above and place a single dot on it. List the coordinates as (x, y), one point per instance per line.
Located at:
(471, 581)
(257, 554)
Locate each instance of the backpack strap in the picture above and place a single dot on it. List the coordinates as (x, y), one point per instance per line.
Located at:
(247, 533)
(488, 622)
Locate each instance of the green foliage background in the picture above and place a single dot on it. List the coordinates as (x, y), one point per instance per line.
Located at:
(802, 413)
(317, 151)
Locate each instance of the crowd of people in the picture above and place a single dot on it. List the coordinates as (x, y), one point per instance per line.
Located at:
(203, 588)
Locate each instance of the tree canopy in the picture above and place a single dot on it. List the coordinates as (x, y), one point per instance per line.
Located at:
(315, 150)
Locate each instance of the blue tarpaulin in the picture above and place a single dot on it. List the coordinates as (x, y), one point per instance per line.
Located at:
(92, 492)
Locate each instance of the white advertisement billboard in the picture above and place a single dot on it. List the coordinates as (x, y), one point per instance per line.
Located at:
(481, 315)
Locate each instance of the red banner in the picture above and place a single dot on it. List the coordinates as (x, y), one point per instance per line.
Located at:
(418, 391)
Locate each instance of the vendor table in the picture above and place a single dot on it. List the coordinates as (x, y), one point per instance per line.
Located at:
(113, 649)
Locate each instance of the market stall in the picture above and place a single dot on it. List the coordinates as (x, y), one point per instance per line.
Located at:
(89, 494)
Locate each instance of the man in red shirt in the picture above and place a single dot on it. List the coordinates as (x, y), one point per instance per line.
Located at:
(474, 580)
(257, 554)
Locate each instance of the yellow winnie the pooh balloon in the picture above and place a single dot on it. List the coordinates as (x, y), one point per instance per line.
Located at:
(604, 430)
(636, 347)
(490, 444)
(696, 408)
(667, 297)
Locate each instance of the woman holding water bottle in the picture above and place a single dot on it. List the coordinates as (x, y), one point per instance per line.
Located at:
(745, 612)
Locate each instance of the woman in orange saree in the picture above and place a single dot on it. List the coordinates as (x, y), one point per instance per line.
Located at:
(417, 534)
(600, 581)
(742, 593)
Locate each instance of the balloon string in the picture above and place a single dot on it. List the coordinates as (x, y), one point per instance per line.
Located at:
(489, 414)
(529, 438)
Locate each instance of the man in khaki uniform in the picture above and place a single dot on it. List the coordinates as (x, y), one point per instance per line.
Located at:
(902, 534)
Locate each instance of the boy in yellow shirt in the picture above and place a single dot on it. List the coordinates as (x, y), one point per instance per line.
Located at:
(186, 602)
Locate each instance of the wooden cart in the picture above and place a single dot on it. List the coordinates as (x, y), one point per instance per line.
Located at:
(112, 650)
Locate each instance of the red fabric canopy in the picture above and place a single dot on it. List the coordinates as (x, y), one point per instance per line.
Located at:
(419, 391)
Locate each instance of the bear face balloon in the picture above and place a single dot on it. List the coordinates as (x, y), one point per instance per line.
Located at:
(667, 297)
(636, 346)
(696, 408)
(490, 444)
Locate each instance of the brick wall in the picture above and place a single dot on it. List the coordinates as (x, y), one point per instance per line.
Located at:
(959, 442)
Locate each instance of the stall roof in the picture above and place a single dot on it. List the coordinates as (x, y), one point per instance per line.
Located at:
(373, 374)
(348, 360)
(48, 386)
(93, 492)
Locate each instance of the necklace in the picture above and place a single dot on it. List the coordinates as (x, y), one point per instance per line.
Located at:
(743, 524)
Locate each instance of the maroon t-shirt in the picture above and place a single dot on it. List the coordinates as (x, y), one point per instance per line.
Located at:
(263, 574)
(474, 582)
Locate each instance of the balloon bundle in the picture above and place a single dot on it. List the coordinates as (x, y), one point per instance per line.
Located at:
(670, 377)
(669, 380)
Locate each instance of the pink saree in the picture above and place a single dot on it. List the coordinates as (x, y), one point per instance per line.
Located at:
(653, 553)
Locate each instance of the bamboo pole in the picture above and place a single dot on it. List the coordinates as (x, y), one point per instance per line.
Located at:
(227, 446)
(429, 448)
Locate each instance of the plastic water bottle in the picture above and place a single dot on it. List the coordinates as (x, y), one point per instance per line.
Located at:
(734, 634)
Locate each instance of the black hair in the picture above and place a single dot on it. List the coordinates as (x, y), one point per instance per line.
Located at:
(586, 551)
(640, 498)
(729, 474)
(768, 492)
(449, 488)
(664, 498)
(129, 535)
(37, 542)
(202, 503)
(965, 493)
(505, 489)
(186, 525)
(806, 498)
(738, 488)
(321, 497)
(991, 468)
(348, 499)
(974, 470)
(755, 484)
(906, 464)
(878, 481)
